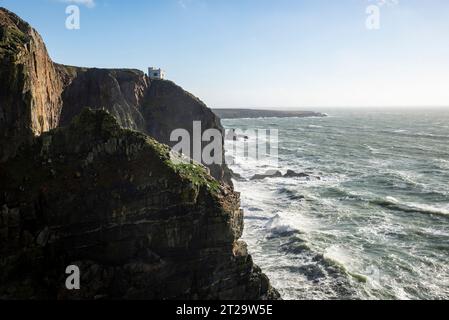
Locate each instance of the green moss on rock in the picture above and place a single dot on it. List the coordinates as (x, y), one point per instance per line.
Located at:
(12, 40)
(196, 174)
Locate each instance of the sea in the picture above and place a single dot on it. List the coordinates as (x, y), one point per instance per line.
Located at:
(371, 218)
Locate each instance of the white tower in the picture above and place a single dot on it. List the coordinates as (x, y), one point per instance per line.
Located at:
(156, 73)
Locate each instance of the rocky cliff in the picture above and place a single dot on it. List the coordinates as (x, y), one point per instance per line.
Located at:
(119, 91)
(153, 107)
(30, 90)
(166, 98)
(112, 202)
(78, 187)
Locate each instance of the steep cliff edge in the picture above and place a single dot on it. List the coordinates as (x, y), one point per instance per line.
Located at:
(77, 187)
(168, 106)
(30, 90)
(112, 202)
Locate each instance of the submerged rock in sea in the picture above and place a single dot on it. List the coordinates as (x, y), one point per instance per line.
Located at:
(268, 174)
(111, 202)
(278, 174)
(293, 174)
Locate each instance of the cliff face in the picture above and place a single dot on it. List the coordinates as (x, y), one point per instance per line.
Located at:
(153, 107)
(110, 200)
(30, 90)
(113, 203)
(168, 106)
(119, 91)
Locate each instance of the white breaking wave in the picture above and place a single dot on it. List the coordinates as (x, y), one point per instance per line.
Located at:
(419, 207)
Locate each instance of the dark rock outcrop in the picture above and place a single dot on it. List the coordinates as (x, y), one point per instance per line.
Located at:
(278, 174)
(268, 174)
(138, 221)
(293, 174)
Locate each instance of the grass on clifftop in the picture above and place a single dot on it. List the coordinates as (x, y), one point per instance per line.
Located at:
(197, 175)
(190, 171)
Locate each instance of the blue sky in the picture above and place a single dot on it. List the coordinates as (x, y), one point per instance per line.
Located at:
(262, 53)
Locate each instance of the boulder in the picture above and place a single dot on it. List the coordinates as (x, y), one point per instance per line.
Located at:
(293, 174)
(268, 174)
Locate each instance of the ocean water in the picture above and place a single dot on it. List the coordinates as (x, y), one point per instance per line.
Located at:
(371, 222)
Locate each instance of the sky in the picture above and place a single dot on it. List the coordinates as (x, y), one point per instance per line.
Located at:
(263, 53)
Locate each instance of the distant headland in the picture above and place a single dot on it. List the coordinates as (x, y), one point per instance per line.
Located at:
(254, 113)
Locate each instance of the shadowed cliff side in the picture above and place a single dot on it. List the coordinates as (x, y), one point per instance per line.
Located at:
(168, 106)
(120, 91)
(112, 202)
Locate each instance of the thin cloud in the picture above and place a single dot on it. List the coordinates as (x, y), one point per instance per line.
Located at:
(87, 3)
(389, 3)
(183, 3)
